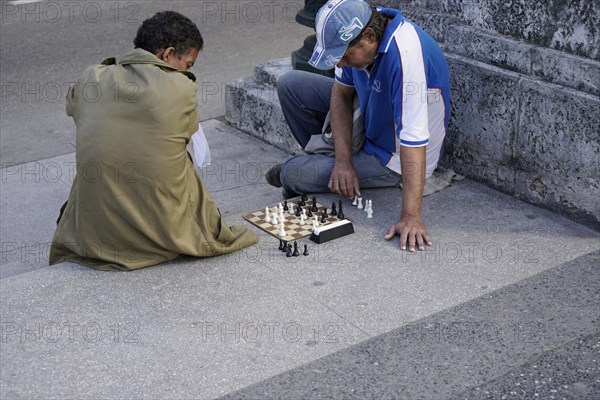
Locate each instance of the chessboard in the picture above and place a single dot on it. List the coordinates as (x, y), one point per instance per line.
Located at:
(293, 229)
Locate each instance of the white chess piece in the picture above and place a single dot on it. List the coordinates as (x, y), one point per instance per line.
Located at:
(354, 202)
(314, 225)
(302, 218)
(274, 219)
(292, 208)
(267, 216)
(360, 204)
(371, 205)
(281, 229)
(304, 212)
(315, 220)
(369, 210)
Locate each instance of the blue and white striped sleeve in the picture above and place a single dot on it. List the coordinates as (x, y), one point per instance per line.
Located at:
(344, 76)
(410, 91)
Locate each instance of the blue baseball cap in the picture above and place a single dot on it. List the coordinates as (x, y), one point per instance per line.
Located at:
(337, 23)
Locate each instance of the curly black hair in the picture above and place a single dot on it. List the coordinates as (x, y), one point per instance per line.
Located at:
(168, 29)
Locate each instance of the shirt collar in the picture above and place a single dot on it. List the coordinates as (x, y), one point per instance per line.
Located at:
(398, 19)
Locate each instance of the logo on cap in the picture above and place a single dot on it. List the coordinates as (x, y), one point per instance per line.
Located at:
(346, 32)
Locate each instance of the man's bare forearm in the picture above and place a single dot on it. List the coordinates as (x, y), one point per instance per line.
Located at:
(413, 179)
(341, 122)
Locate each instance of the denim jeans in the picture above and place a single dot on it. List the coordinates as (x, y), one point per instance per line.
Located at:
(305, 99)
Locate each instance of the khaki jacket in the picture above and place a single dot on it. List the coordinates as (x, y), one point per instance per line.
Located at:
(136, 200)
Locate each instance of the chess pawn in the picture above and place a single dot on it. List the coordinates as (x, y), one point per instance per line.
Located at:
(367, 205)
(274, 219)
(360, 204)
(333, 209)
(315, 219)
(292, 208)
(281, 229)
(302, 218)
(369, 213)
(314, 225)
(267, 216)
(305, 250)
(355, 201)
(285, 205)
(289, 251)
(296, 253)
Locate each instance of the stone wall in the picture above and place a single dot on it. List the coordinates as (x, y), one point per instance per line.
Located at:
(525, 96)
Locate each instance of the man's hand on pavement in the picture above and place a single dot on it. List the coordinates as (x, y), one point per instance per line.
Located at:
(343, 180)
(411, 231)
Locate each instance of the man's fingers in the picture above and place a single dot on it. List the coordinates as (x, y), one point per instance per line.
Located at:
(403, 239)
(420, 242)
(427, 239)
(391, 233)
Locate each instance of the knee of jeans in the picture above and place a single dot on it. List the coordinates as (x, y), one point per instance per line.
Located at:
(287, 82)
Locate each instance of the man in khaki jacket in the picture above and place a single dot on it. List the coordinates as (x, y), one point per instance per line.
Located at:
(136, 200)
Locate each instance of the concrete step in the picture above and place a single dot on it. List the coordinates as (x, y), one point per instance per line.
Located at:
(252, 106)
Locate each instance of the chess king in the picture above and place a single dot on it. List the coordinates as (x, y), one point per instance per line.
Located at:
(136, 200)
(388, 108)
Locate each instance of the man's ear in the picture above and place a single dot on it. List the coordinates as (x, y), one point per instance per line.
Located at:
(168, 53)
(369, 34)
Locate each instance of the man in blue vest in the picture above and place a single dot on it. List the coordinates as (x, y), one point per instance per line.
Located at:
(401, 79)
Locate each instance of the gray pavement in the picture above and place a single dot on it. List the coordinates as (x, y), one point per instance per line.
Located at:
(505, 304)
(204, 328)
(45, 45)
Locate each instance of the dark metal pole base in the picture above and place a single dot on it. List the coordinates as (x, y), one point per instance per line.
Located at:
(301, 56)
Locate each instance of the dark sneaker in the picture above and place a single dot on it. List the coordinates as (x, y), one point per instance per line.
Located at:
(273, 176)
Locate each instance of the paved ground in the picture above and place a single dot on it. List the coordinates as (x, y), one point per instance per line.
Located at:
(504, 305)
(506, 301)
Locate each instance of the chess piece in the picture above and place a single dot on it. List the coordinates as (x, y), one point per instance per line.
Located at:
(333, 209)
(314, 225)
(314, 207)
(302, 202)
(284, 246)
(285, 205)
(304, 212)
(296, 253)
(315, 219)
(305, 250)
(302, 219)
(267, 216)
(366, 206)
(281, 229)
(274, 219)
(280, 245)
(289, 251)
(309, 214)
(292, 209)
(355, 201)
(369, 213)
(324, 216)
(360, 204)
(341, 211)
(298, 211)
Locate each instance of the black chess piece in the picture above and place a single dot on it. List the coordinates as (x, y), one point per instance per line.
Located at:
(305, 250)
(324, 216)
(284, 246)
(298, 211)
(341, 211)
(333, 210)
(296, 253)
(302, 202)
(280, 245)
(285, 206)
(289, 251)
(309, 213)
(314, 207)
